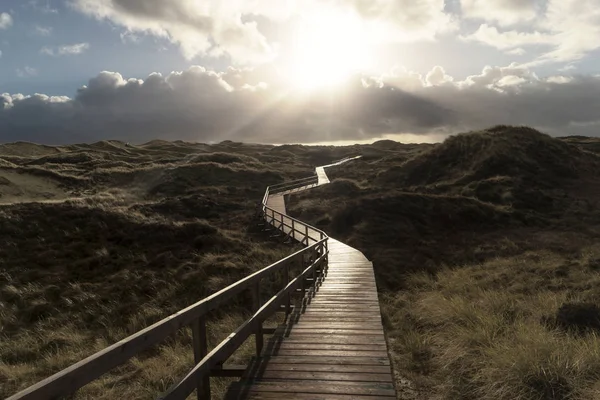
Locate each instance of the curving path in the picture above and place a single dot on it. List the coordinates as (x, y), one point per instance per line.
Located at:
(332, 346)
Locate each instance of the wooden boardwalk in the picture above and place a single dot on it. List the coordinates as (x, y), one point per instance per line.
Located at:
(332, 345)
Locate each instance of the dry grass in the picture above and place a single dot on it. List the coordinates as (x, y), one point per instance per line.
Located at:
(146, 231)
(484, 248)
(485, 252)
(489, 331)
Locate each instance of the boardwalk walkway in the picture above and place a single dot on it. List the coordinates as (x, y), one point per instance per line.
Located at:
(332, 345)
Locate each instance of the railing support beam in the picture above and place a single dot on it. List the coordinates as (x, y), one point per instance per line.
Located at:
(258, 333)
(200, 344)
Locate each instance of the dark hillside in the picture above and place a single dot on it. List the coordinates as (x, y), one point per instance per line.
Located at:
(101, 240)
(519, 167)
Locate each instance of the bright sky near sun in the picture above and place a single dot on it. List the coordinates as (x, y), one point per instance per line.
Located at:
(304, 71)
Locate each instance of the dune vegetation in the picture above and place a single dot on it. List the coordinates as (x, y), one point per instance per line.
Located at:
(101, 240)
(485, 250)
(486, 254)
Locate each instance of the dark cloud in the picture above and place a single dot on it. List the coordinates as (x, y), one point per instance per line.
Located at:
(246, 105)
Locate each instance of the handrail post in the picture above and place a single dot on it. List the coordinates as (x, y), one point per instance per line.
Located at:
(306, 233)
(258, 334)
(293, 230)
(302, 281)
(200, 350)
(314, 277)
(326, 260)
(288, 297)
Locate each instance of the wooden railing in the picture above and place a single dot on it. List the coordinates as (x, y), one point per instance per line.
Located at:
(312, 261)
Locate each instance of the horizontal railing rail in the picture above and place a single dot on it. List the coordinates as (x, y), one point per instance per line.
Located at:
(186, 386)
(288, 183)
(300, 183)
(312, 261)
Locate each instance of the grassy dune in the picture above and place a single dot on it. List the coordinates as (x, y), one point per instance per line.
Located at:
(101, 240)
(485, 249)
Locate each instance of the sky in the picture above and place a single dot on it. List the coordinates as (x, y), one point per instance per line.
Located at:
(285, 71)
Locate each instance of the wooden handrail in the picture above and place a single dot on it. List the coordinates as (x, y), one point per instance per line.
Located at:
(187, 385)
(77, 375)
(313, 180)
(291, 182)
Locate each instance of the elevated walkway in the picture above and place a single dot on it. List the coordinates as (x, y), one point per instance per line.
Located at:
(332, 345)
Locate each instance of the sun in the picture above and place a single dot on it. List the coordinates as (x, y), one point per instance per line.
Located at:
(327, 48)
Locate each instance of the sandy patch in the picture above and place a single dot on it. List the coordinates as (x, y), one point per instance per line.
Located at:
(22, 187)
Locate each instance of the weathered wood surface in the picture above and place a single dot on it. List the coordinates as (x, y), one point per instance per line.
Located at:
(332, 345)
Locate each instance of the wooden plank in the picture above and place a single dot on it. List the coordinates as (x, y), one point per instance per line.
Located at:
(237, 394)
(285, 345)
(330, 353)
(341, 339)
(317, 312)
(338, 325)
(346, 297)
(342, 303)
(375, 369)
(350, 360)
(323, 376)
(321, 387)
(365, 309)
(324, 318)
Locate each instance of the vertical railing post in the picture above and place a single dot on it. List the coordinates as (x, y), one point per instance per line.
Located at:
(302, 281)
(288, 296)
(200, 344)
(314, 278)
(306, 233)
(293, 229)
(326, 260)
(258, 334)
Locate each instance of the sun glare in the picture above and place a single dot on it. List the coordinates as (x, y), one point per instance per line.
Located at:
(328, 49)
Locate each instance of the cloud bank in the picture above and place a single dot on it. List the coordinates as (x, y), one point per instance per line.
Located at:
(253, 105)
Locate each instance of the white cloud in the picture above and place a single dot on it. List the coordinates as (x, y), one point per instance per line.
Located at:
(73, 49)
(209, 26)
(504, 12)
(506, 40)
(516, 52)
(559, 79)
(437, 76)
(405, 20)
(6, 20)
(26, 71)
(217, 27)
(42, 30)
(63, 50)
(43, 7)
(570, 28)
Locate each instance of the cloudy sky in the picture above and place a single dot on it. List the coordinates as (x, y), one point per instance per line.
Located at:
(306, 71)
